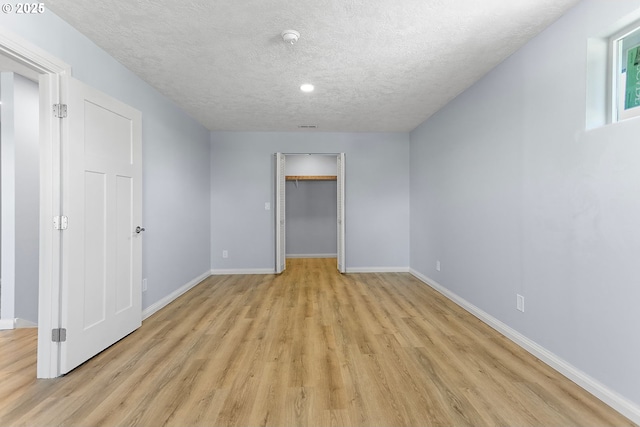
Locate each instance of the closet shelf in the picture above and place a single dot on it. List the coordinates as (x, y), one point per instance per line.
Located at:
(311, 178)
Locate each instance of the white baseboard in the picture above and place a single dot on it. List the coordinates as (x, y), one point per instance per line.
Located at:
(312, 255)
(6, 324)
(377, 269)
(16, 323)
(221, 272)
(621, 404)
(22, 323)
(172, 296)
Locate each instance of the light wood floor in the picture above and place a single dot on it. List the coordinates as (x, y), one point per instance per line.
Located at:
(308, 347)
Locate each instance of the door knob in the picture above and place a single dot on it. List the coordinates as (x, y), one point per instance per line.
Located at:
(139, 229)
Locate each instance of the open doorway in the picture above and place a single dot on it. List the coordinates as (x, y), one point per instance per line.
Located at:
(19, 200)
(98, 183)
(20, 57)
(310, 207)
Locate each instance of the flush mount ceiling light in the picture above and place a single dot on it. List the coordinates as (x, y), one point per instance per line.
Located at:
(290, 36)
(307, 87)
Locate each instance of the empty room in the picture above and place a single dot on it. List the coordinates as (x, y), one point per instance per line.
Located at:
(318, 213)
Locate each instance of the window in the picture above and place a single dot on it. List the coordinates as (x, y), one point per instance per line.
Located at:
(625, 50)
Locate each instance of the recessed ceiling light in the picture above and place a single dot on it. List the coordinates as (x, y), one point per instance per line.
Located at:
(307, 87)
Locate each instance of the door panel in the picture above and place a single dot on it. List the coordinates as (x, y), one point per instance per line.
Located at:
(94, 285)
(102, 198)
(124, 254)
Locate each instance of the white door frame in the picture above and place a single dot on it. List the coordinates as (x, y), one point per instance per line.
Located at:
(281, 254)
(340, 173)
(282, 225)
(50, 70)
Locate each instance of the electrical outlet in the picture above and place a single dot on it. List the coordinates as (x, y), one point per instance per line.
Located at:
(520, 302)
(267, 206)
(437, 265)
(144, 285)
(225, 254)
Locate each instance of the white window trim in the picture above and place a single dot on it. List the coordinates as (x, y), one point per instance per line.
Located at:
(616, 95)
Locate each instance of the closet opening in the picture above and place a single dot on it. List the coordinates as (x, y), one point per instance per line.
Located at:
(309, 207)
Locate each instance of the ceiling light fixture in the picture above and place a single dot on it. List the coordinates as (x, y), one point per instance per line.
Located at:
(307, 87)
(290, 36)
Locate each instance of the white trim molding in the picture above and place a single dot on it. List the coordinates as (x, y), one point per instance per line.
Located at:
(377, 269)
(590, 384)
(22, 323)
(222, 272)
(6, 324)
(153, 308)
(30, 57)
(49, 70)
(16, 323)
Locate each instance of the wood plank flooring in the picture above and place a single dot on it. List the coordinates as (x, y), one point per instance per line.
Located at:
(310, 347)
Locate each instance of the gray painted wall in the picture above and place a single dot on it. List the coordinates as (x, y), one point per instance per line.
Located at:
(316, 165)
(20, 197)
(27, 201)
(513, 195)
(311, 217)
(176, 175)
(8, 197)
(377, 195)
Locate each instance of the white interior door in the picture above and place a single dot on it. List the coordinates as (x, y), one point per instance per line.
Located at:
(102, 199)
(281, 258)
(341, 228)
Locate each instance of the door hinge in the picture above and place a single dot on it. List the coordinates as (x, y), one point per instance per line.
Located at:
(60, 222)
(59, 335)
(60, 110)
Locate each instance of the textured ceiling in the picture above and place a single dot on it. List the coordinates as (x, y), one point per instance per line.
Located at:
(377, 65)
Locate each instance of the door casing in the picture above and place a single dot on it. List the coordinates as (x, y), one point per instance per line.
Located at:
(49, 71)
(280, 220)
